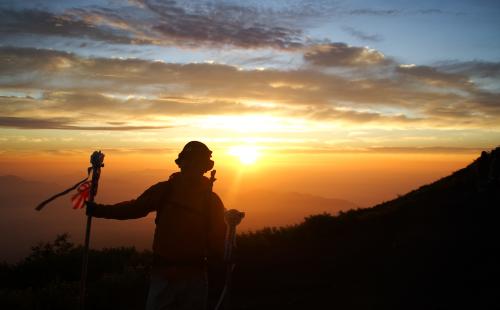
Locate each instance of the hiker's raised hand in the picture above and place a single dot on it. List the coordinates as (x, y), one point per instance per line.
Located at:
(90, 206)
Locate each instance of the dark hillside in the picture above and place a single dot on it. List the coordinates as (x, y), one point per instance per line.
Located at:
(434, 248)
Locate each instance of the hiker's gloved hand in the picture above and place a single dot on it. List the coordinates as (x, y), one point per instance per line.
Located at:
(90, 206)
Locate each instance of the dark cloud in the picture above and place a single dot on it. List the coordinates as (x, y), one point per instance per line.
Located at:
(374, 12)
(62, 123)
(481, 69)
(488, 100)
(435, 77)
(160, 23)
(430, 11)
(398, 12)
(206, 32)
(39, 22)
(359, 117)
(193, 24)
(18, 60)
(358, 34)
(222, 24)
(343, 55)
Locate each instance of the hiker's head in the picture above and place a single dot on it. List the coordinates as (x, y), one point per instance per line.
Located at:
(195, 158)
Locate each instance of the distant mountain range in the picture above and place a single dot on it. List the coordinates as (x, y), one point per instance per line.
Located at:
(272, 208)
(17, 192)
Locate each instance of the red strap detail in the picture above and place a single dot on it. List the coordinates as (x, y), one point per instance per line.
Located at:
(78, 200)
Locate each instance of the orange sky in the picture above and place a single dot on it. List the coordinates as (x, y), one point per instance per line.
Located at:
(365, 178)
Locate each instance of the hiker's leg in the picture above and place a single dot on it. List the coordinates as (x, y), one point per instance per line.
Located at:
(161, 294)
(193, 294)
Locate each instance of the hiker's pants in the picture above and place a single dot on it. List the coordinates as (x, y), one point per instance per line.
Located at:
(179, 294)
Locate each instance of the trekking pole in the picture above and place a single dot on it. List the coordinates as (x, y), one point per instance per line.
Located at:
(97, 161)
(208, 199)
(232, 218)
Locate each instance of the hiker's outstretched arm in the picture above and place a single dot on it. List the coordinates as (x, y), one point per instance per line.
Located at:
(148, 201)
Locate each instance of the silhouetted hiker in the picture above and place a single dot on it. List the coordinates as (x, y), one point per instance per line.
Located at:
(190, 230)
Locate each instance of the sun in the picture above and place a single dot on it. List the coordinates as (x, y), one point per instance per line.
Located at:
(247, 154)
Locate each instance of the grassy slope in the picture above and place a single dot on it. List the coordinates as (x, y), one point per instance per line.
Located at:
(432, 248)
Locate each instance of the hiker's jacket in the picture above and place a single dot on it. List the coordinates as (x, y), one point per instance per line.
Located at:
(189, 219)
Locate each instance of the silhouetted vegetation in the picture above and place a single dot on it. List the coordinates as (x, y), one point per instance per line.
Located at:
(434, 248)
(49, 278)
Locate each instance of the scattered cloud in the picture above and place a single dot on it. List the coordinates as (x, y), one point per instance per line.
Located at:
(350, 115)
(63, 124)
(481, 69)
(435, 77)
(222, 25)
(38, 22)
(398, 12)
(374, 12)
(343, 55)
(193, 24)
(358, 34)
(161, 23)
(430, 11)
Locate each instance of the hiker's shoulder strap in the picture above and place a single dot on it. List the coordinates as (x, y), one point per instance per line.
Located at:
(165, 198)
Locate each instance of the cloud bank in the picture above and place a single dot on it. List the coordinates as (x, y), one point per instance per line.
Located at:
(57, 90)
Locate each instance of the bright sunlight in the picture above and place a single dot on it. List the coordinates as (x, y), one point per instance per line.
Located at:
(247, 154)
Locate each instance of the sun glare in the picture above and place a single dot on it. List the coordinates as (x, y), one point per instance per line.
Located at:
(247, 154)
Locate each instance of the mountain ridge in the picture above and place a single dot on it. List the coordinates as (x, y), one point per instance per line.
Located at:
(437, 247)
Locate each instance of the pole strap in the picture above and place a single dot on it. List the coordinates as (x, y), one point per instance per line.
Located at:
(45, 202)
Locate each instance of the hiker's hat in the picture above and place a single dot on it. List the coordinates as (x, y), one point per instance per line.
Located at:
(195, 151)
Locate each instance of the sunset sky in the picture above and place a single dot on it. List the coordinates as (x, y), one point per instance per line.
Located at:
(360, 100)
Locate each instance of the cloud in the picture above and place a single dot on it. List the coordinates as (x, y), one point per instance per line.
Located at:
(222, 25)
(481, 69)
(350, 115)
(374, 12)
(138, 92)
(62, 123)
(215, 24)
(358, 34)
(434, 77)
(430, 11)
(77, 109)
(343, 55)
(38, 22)
(398, 12)
(161, 23)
